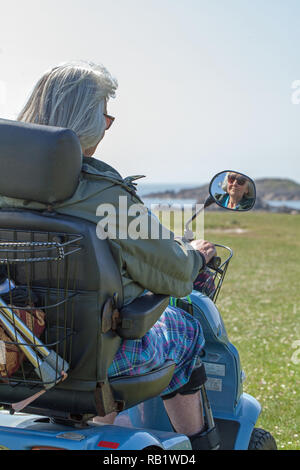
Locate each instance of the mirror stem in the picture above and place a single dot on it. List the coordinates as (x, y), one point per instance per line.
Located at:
(208, 201)
(188, 233)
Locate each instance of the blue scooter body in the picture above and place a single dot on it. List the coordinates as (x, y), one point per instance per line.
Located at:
(147, 424)
(235, 412)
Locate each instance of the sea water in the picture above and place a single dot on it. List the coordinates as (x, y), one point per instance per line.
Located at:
(147, 188)
(291, 204)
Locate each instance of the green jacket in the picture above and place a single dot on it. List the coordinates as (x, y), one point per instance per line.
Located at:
(163, 266)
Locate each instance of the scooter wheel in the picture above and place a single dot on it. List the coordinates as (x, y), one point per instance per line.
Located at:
(261, 440)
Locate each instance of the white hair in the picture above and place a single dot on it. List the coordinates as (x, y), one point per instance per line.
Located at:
(72, 95)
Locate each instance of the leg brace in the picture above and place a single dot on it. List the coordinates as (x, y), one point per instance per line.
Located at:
(209, 438)
(197, 379)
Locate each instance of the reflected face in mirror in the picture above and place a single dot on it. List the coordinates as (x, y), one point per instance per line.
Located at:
(237, 188)
(233, 190)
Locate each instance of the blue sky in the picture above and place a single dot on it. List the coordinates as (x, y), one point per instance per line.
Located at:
(204, 85)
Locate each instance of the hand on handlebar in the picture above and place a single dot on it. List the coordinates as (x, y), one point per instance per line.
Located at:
(206, 248)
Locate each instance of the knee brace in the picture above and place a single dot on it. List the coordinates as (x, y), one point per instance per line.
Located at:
(197, 379)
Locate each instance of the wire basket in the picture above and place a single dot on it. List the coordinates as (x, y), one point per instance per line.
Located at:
(210, 280)
(218, 273)
(37, 294)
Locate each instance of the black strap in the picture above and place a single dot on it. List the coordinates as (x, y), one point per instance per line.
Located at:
(197, 379)
(20, 297)
(185, 305)
(207, 440)
(3, 273)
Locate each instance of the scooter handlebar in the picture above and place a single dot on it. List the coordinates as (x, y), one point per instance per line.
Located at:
(214, 263)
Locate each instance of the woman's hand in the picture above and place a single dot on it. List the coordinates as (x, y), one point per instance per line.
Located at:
(206, 248)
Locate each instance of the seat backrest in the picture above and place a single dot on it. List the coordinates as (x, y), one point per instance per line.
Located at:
(38, 163)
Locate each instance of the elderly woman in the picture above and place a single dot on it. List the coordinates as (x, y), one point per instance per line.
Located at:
(75, 96)
(239, 193)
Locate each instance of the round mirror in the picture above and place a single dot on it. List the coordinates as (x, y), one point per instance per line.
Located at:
(233, 190)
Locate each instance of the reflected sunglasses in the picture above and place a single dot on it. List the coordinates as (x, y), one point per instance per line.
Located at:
(241, 180)
(109, 120)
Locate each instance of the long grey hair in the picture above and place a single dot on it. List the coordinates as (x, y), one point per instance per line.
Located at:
(72, 95)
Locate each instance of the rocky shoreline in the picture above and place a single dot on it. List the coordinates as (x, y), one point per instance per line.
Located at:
(267, 189)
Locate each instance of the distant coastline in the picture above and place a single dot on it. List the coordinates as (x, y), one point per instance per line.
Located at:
(273, 194)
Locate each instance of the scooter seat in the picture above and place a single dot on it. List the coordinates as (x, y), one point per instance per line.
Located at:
(131, 390)
(73, 272)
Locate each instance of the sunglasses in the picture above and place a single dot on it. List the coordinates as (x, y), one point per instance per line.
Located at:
(109, 120)
(239, 179)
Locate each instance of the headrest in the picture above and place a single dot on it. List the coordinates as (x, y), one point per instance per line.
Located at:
(38, 163)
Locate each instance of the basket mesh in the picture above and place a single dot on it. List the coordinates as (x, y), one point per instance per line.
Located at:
(38, 287)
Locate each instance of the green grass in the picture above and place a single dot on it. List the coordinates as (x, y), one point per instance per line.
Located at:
(260, 305)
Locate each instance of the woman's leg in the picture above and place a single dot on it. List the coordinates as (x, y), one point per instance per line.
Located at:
(175, 336)
(186, 413)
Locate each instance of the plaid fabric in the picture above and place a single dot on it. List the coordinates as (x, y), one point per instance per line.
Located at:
(176, 335)
(205, 282)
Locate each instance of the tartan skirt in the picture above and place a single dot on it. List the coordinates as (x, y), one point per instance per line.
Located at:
(177, 335)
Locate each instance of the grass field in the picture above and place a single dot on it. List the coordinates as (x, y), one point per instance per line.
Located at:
(260, 305)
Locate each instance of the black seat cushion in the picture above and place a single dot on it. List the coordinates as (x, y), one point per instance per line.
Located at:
(132, 390)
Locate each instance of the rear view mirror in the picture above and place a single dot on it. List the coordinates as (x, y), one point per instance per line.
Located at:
(233, 190)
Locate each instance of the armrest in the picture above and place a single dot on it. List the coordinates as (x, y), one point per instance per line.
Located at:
(138, 317)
